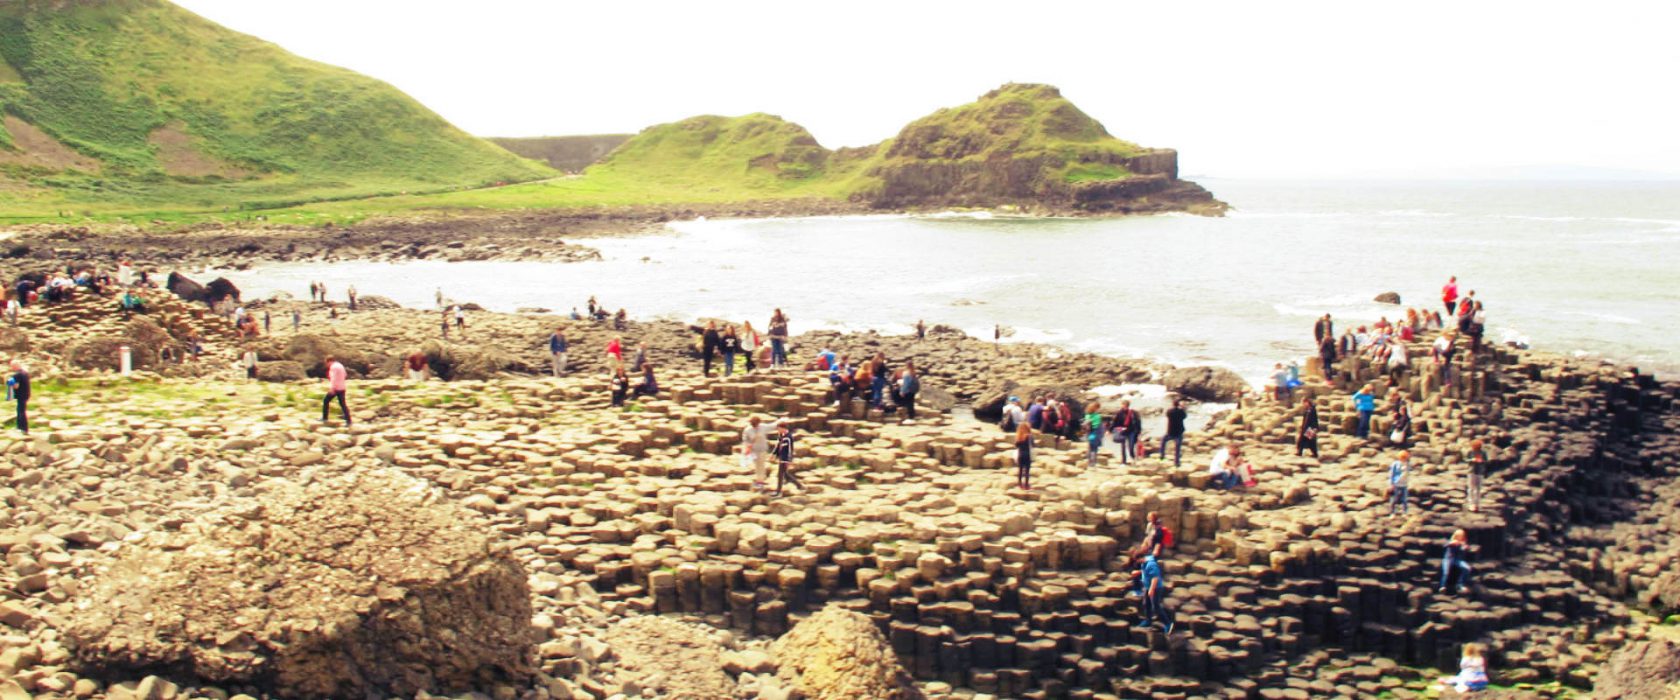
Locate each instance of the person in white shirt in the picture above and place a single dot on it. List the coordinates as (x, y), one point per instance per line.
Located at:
(755, 447)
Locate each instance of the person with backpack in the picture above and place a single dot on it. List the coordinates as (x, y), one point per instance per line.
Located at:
(908, 386)
(1127, 427)
(1155, 595)
(1175, 431)
(1012, 415)
(1035, 413)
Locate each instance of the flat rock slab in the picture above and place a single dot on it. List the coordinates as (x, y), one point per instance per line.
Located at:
(343, 586)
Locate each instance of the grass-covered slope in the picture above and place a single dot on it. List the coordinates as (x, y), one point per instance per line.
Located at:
(177, 110)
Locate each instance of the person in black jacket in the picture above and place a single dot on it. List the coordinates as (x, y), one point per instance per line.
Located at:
(19, 384)
(1175, 431)
(1306, 438)
(709, 343)
(1127, 427)
(784, 457)
(908, 386)
(1324, 328)
(729, 344)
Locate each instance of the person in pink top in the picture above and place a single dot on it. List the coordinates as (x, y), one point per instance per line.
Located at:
(337, 383)
(615, 354)
(1449, 294)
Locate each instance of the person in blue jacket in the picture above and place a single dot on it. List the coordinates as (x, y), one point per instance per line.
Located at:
(1366, 403)
(1154, 595)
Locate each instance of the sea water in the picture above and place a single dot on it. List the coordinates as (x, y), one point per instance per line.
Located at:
(1582, 268)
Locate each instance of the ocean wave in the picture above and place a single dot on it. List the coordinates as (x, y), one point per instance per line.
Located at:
(1417, 213)
(1607, 317)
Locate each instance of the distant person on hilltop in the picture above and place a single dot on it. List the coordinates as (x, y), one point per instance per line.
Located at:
(921, 330)
(337, 387)
(1449, 294)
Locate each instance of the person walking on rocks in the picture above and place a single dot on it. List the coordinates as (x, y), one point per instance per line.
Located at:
(1154, 595)
(18, 386)
(1023, 456)
(730, 345)
(1449, 294)
(351, 294)
(750, 343)
(461, 321)
(444, 324)
(1398, 476)
(778, 340)
(557, 350)
(1175, 431)
(1478, 459)
(879, 372)
(784, 457)
(1366, 403)
(337, 387)
(1127, 427)
(755, 449)
(908, 386)
(438, 296)
(615, 355)
(297, 320)
(1455, 567)
(710, 343)
(1441, 354)
(1306, 437)
(1093, 436)
(248, 360)
(921, 330)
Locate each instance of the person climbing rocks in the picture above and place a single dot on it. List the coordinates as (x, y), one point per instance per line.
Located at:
(1175, 431)
(337, 387)
(1306, 437)
(1399, 473)
(1455, 567)
(1155, 595)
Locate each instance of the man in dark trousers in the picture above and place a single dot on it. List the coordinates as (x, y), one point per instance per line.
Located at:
(1175, 431)
(710, 343)
(1324, 328)
(1127, 427)
(337, 387)
(19, 385)
(784, 457)
(908, 387)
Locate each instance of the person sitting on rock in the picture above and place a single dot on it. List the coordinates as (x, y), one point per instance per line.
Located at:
(132, 303)
(620, 386)
(621, 320)
(648, 386)
(1400, 423)
(1226, 469)
(840, 380)
(1472, 671)
(416, 365)
(1455, 570)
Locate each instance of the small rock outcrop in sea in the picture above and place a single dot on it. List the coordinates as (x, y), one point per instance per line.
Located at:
(1648, 670)
(837, 654)
(1387, 298)
(364, 583)
(1206, 383)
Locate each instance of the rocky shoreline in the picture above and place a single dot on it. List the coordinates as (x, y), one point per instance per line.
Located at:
(641, 539)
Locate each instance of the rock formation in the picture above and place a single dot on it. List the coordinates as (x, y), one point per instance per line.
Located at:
(1647, 670)
(837, 654)
(1216, 384)
(339, 586)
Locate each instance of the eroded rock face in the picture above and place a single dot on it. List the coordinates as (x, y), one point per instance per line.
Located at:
(1206, 383)
(1647, 670)
(838, 654)
(345, 586)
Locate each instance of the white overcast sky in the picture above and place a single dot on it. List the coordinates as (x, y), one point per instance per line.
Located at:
(1242, 89)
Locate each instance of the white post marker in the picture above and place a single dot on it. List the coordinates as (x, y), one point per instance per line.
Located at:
(127, 360)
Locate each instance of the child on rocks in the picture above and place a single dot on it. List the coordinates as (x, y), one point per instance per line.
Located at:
(1472, 671)
(1398, 474)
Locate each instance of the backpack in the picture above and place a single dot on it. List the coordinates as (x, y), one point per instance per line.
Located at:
(1166, 538)
(911, 385)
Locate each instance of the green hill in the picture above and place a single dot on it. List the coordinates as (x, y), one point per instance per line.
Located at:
(115, 104)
